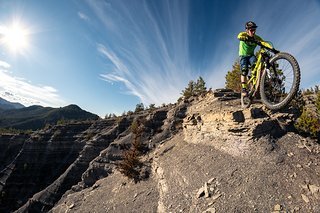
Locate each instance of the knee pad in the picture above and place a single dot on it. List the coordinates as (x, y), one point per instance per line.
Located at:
(244, 71)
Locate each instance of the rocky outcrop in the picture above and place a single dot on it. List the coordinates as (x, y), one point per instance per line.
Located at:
(225, 159)
(213, 119)
(204, 154)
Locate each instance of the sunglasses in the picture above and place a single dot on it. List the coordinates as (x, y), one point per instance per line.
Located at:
(252, 30)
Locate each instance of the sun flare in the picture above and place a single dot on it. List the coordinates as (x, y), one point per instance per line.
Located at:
(15, 37)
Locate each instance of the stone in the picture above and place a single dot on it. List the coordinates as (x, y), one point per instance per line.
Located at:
(206, 192)
(210, 210)
(211, 180)
(224, 90)
(304, 186)
(71, 206)
(238, 116)
(257, 113)
(305, 198)
(95, 186)
(290, 154)
(201, 192)
(277, 207)
(215, 197)
(314, 189)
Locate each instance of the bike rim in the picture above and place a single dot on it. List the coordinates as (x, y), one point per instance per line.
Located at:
(279, 81)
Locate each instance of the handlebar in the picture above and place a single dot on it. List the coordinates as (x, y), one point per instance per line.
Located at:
(261, 45)
(268, 48)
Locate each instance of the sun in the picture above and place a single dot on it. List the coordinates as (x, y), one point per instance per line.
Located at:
(15, 37)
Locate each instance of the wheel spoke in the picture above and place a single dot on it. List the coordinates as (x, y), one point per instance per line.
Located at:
(278, 84)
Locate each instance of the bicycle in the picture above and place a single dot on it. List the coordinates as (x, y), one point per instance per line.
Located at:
(276, 76)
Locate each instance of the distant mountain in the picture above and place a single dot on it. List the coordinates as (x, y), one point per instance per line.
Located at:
(4, 104)
(36, 117)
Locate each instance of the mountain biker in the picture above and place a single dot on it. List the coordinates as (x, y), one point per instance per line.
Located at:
(246, 52)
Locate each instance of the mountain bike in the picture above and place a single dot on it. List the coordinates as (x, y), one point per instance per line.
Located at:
(275, 77)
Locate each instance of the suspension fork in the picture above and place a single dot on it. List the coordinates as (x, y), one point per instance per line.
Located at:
(260, 67)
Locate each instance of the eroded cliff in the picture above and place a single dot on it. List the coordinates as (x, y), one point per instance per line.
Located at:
(205, 154)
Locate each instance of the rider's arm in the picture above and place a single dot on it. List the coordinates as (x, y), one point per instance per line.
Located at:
(258, 38)
(260, 41)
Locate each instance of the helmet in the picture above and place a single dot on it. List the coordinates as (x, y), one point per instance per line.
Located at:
(251, 25)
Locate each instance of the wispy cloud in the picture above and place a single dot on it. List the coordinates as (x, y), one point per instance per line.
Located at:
(148, 60)
(20, 90)
(4, 65)
(149, 47)
(83, 16)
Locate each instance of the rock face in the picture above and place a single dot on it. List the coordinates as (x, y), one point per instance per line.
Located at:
(203, 155)
(33, 162)
(36, 170)
(225, 123)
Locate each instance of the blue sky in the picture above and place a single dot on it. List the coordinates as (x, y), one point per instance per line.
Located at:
(107, 56)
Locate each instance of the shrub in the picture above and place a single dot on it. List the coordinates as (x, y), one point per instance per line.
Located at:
(130, 165)
(152, 107)
(61, 122)
(139, 108)
(14, 131)
(318, 102)
(308, 91)
(298, 102)
(308, 123)
(137, 129)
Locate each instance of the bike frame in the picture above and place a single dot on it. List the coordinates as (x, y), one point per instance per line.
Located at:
(266, 75)
(261, 64)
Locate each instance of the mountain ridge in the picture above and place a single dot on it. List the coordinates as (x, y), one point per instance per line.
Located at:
(36, 116)
(4, 104)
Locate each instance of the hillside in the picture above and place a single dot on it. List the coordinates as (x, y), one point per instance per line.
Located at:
(4, 105)
(201, 155)
(36, 117)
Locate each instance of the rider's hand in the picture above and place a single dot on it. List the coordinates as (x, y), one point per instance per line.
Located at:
(275, 51)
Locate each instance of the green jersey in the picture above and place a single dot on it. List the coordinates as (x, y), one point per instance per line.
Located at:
(246, 48)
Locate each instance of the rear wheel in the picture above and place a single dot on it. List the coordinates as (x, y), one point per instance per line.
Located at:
(280, 83)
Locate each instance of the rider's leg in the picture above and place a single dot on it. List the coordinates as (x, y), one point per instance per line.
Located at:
(244, 61)
(244, 79)
(252, 62)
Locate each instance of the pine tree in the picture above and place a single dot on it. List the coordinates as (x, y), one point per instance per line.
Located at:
(152, 106)
(139, 107)
(189, 90)
(233, 78)
(194, 89)
(200, 86)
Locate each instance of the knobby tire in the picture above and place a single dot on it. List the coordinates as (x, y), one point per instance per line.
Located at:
(294, 87)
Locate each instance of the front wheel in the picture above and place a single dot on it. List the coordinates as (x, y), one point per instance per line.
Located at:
(280, 83)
